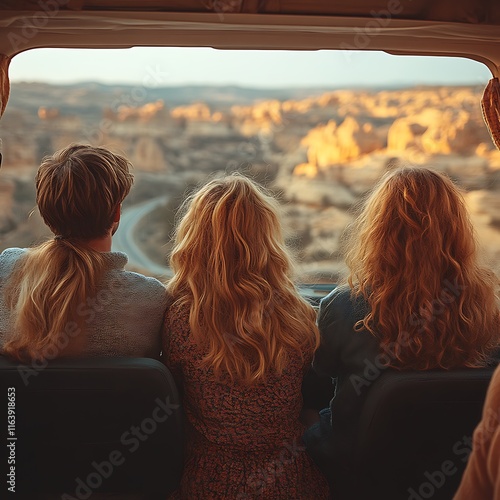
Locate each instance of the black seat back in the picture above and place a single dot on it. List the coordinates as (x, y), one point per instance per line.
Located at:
(415, 431)
(80, 426)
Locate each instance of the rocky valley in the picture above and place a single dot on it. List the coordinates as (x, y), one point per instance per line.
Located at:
(319, 150)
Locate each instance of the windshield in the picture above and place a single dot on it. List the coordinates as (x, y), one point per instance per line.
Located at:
(317, 128)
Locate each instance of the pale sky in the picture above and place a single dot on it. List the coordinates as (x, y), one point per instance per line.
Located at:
(165, 66)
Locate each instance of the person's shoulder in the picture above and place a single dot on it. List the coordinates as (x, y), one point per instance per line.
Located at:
(118, 260)
(494, 385)
(146, 284)
(339, 297)
(136, 287)
(12, 253)
(145, 295)
(492, 401)
(10, 256)
(344, 302)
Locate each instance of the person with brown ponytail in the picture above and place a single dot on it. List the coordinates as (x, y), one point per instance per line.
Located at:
(71, 296)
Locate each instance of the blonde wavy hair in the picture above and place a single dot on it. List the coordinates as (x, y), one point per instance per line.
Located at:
(79, 190)
(233, 272)
(413, 257)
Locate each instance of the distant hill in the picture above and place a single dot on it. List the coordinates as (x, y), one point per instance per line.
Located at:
(89, 97)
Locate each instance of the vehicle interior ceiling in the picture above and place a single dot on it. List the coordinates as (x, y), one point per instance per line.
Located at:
(460, 28)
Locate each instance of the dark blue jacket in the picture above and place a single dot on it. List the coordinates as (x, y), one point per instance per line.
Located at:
(351, 357)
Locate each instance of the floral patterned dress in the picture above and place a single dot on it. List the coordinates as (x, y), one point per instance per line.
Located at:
(242, 442)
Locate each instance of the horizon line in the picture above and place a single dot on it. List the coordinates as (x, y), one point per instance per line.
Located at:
(394, 85)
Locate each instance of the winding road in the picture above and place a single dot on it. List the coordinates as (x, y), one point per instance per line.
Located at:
(124, 241)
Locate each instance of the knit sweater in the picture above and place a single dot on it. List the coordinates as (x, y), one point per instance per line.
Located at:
(481, 479)
(124, 318)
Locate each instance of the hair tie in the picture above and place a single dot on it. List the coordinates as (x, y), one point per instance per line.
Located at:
(59, 237)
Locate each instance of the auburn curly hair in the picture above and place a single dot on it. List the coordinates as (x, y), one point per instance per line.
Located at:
(412, 255)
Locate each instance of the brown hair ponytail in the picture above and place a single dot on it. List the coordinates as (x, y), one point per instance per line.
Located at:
(79, 190)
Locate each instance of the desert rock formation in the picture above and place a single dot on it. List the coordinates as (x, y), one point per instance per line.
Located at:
(321, 153)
